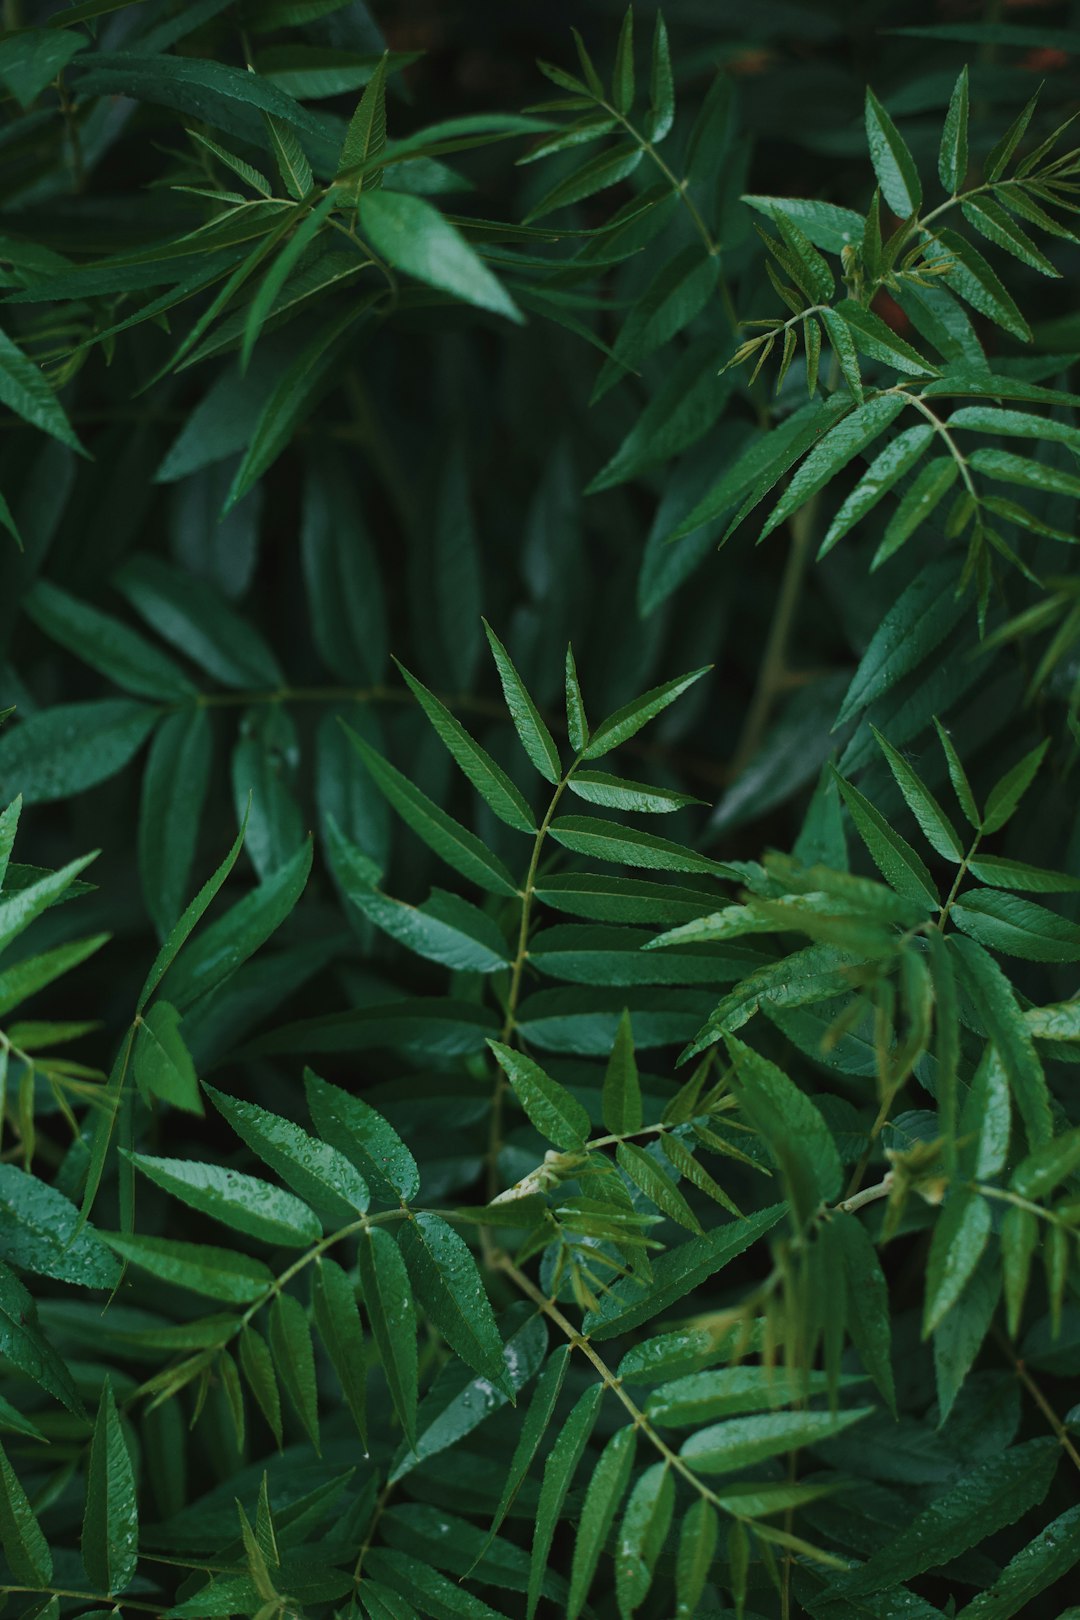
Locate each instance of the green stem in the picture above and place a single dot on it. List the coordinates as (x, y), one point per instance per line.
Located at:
(517, 973)
(961, 874)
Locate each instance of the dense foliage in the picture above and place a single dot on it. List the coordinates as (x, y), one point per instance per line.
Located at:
(425, 1189)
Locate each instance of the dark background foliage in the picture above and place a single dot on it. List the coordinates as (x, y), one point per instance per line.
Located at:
(440, 473)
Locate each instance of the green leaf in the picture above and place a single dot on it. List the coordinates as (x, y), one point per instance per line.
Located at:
(24, 979)
(25, 390)
(725, 1448)
(893, 163)
(25, 1548)
(827, 225)
(218, 1273)
(175, 783)
(576, 723)
(995, 1001)
(365, 137)
(893, 856)
(537, 1421)
(559, 1471)
(535, 737)
(488, 778)
(450, 1291)
(314, 1170)
(1011, 469)
(336, 1317)
(281, 267)
(247, 925)
(106, 644)
(290, 157)
(459, 848)
(959, 1336)
(239, 1201)
(388, 1299)
(445, 928)
(341, 575)
(937, 829)
(24, 1345)
(1005, 922)
(1049, 1165)
(1015, 424)
(642, 1534)
(293, 395)
(763, 463)
(994, 223)
(252, 176)
(162, 1065)
(877, 340)
(233, 97)
(816, 276)
(294, 1358)
(840, 444)
(1001, 873)
(40, 1233)
(19, 910)
(414, 237)
(920, 618)
(358, 1131)
(621, 1094)
(31, 58)
(793, 1127)
(697, 1550)
(459, 1402)
(958, 776)
(187, 613)
(1006, 794)
(676, 1274)
(968, 274)
(701, 1397)
(181, 930)
(622, 82)
(607, 1487)
(625, 846)
(628, 721)
(953, 151)
(960, 1236)
(997, 158)
(844, 351)
(984, 1501)
(554, 1112)
(620, 899)
(867, 1296)
(899, 456)
(110, 1532)
(661, 84)
(596, 787)
(71, 747)
(649, 1177)
(1046, 1559)
(606, 169)
(934, 481)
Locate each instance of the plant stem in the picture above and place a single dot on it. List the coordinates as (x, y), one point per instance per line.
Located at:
(1040, 1400)
(773, 675)
(514, 994)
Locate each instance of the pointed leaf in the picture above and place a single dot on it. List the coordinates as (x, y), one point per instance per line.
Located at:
(388, 1300)
(239, 1201)
(535, 737)
(449, 1288)
(553, 1110)
(893, 163)
(452, 842)
(111, 1522)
